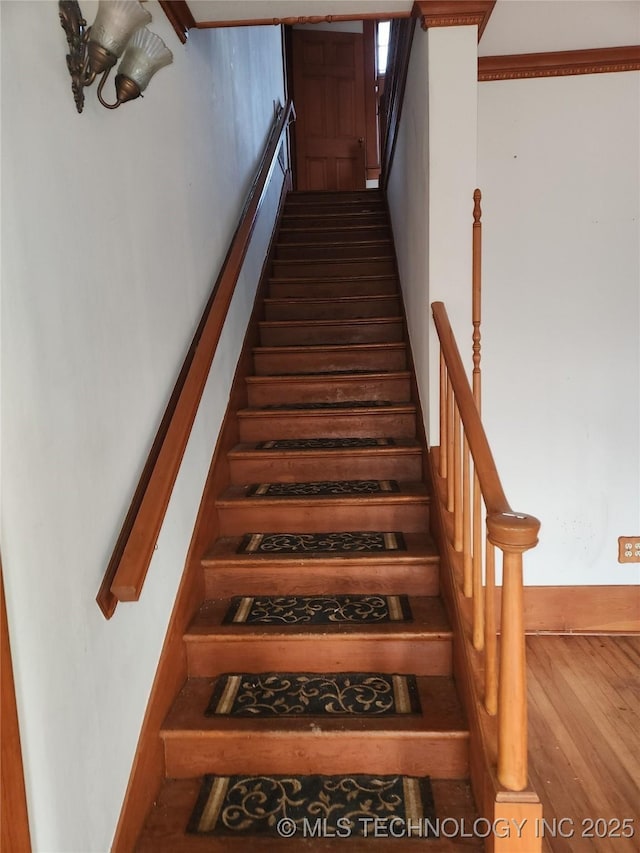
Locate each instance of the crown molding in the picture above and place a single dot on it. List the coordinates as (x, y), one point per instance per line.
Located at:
(454, 13)
(302, 19)
(180, 17)
(560, 63)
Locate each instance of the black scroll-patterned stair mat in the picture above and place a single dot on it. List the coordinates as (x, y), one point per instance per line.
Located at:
(309, 694)
(322, 488)
(322, 544)
(324, 443)
(304, 806)
(318, 610)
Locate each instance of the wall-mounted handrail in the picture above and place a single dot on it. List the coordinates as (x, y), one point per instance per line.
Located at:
(464, 444)
(400, 41)
(129, 563)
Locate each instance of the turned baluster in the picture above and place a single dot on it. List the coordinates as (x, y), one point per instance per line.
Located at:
(457, 479)
(478, 597)
(467, 582)
(444, 442)
(450, 446)
(477, 294)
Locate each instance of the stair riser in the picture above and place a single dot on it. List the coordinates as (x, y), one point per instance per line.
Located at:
(332, 289)
(331, 269)
(385, 306)
(370, 196)
(302, 468)
(287, 236)
(299, 219)
(349, 252)
(315, 207)
(313, 654)
(329, 390)
(262, 427)
(315, 577)
(293, 516)
(268, 363)
(416, 754)
(301, 334)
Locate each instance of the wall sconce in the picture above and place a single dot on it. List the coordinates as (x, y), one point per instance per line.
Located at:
(119, 28)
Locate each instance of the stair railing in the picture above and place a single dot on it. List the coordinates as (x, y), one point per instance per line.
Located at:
(391, 102)
(131, 558)
(463, 448)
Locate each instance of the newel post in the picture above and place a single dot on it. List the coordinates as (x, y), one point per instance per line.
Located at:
(514, 533)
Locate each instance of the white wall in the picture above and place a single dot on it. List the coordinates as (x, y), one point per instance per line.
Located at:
(115, 224)
(559, 167)
(431, 194)
(408, 194)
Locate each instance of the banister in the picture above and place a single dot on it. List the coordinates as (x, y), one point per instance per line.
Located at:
(131, 557)
(508, 529)
(511, 532)
(485, 465)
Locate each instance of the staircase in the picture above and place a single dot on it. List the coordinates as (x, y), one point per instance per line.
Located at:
(321, 654)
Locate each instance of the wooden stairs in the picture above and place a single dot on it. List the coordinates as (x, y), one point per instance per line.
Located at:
(331, 442)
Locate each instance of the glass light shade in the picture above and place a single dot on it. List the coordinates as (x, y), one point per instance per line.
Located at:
(146, 53)
(116, 22)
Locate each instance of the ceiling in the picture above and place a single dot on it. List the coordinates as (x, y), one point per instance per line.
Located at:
(515, 26)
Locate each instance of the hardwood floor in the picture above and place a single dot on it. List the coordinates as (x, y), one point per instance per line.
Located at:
(584, 744)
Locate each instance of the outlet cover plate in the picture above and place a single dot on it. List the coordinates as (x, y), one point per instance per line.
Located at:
(629, 549)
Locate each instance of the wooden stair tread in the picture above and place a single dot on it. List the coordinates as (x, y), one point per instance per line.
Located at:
(354, 321)
(336, 196)
(248, 462)
(293, 264)
(328, 377)
(343, 280)
(390, 408)
(408, 492)
(301, 207)
(334, 306)
(377, 242)
(323, 375)
(165, 828)
(421, 646)
(429, 620)
(345, 218)
(441, 715)
(347, 349)
(312, 301)
(249, 449)
(224, 552)
(330, 287)
(292, 234)
(303, 359)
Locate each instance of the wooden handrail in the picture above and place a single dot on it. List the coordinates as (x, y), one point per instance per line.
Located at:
(14, 818)
(400, 41)
(129, 563)
(463, 435)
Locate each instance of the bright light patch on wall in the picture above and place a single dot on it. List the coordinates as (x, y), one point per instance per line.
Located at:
(383, 45)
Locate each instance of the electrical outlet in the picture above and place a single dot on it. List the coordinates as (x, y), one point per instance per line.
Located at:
(629, 549)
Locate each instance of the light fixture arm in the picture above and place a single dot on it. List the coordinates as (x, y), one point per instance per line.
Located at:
(103, 80)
